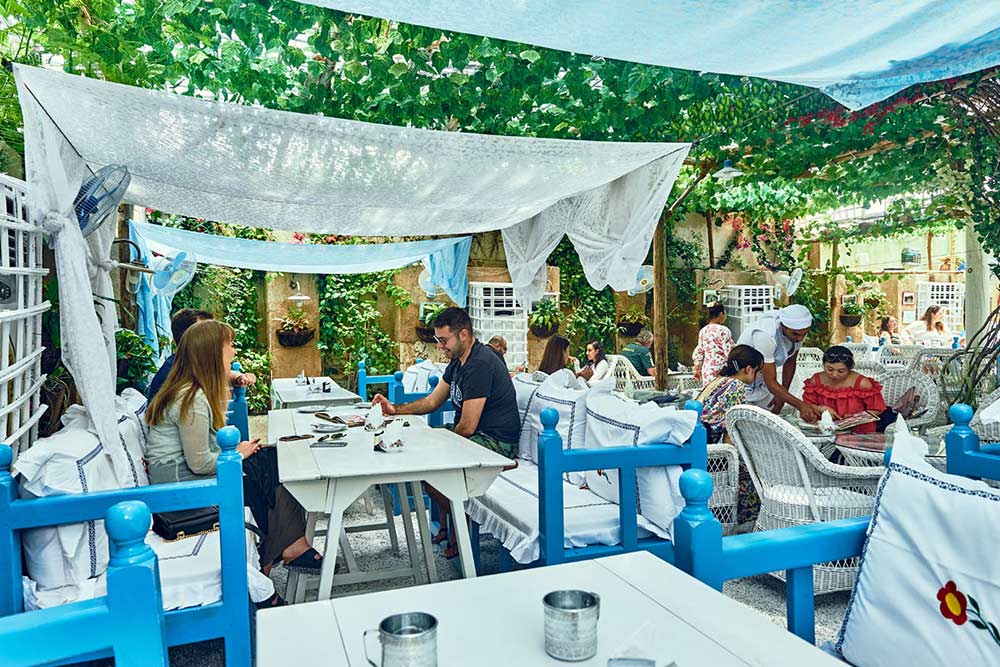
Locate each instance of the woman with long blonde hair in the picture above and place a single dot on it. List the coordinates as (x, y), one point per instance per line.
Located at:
(930, 329)
(183, 418)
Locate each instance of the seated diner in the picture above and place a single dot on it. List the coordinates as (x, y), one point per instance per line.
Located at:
(841, 391)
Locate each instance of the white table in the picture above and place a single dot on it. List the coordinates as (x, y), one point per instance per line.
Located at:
(328, 480)
(498, 620)
(286, 394)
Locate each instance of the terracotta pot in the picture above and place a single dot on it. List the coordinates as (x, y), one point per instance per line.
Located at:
(543, 332)
(630, 329)
(426, 334)
(295, 338)
(850, 320)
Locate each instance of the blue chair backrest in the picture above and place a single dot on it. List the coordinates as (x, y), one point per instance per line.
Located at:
(554, 462)
(228, 618)
(129, 621)
(364, 380)
(238, 414)
(702, 552)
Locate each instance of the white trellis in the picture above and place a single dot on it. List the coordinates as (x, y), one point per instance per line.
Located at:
(493, 311)
(745, 304)
(950, 296)
(21, 308)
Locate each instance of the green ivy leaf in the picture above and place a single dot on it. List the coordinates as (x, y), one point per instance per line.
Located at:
(530, 55)
(398, 69)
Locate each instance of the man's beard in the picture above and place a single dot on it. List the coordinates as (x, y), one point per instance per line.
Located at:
(456, 353)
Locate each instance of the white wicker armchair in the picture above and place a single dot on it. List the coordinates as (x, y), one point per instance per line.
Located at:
(898, 381)
(724, 469)
(861, 351)
(810, 356)
(988, 433)
(626, 374)
(797, 485)
(900, 355)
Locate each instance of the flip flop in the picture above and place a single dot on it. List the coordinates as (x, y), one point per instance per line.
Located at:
(439, 537)
(307, 561)
(451, 551)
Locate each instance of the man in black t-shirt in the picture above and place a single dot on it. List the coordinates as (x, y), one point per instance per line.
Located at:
(479, 386)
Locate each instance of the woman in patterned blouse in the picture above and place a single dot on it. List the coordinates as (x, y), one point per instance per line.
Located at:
(715, 340)
(728, 389)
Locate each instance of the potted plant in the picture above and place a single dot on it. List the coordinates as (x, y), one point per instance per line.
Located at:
(136, 360)
(294, 329)
(632, 321)
(544, 318)
(425, 325)
(851, 313)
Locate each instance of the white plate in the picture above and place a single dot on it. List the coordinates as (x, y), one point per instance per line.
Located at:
(327, 427)
(363, 404)
(312, 408)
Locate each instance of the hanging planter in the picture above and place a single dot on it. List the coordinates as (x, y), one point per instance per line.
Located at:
(296, 337)
(544, 318)
(850, 320)
(632, 321)
(425, 334)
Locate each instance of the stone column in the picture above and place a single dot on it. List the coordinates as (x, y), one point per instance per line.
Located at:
(977, 283)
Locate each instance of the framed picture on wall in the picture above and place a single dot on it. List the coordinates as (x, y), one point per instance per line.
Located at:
(909, 299)
(848, 298)
(709, 296)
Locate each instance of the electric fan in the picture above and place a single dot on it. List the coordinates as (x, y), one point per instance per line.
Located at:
(99, 196)
(427, 283)
(788, 283)
(171, 275)
(643, 280)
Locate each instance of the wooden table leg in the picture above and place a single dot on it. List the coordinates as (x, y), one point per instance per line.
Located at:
(411, 540)
(425, 531)
(451, 484)
(340, 495)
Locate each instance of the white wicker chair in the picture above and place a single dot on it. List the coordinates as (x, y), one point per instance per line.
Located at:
(626, 374)
(929, 360)
(872, 369)
(797, 485)
(900, 355)
(988, 433)
(724, 469)
(861, 351)
(898, 381)
(810, 355)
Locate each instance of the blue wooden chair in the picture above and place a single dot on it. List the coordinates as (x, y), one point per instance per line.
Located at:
(237, 413)
(555, 462)
(703, 553)
(128, 622)
(228, 619)
(364, 380)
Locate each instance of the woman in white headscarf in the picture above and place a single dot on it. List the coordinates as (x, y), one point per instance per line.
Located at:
(778, 335)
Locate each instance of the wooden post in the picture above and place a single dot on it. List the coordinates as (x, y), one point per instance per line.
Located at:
(711, 241)
(930, 248)
(660, 300)
(977, 282)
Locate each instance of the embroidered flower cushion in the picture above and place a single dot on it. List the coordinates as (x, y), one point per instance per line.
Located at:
(928, 592)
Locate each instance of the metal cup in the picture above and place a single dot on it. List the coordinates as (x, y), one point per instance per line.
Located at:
(408, 640)
(571, 624)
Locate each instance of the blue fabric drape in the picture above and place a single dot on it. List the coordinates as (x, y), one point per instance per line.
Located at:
(448, 258)
(856, 51)
(153, 318)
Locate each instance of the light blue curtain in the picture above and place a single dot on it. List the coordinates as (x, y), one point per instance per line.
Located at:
(856, 51)
(449, 258)
(154, 309)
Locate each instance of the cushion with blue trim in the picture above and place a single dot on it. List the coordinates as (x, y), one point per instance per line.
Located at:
(928, 592)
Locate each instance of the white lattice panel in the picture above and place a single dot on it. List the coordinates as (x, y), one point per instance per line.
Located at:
(494, 311)
(950, 296)
(745, 303)
(21, 308)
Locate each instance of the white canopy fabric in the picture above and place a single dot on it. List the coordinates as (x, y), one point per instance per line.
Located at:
(856, 51)
(259, 167)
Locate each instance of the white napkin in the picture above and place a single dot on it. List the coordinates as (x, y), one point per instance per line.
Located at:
(903, 440)
(826, 425)
(375, 420)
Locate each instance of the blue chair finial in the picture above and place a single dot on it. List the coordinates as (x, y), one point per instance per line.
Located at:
(960, 414)
(696, 486)
(432, 381)
(848, 339)
(694, 405)
(228, 437)
(419, 360)
(549, 418)
(887, 457)
(361, 365)
(398, 375)
(6, 457)
(127, 523)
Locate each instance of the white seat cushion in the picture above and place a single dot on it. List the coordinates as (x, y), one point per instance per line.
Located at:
(509, 511)
(824, 496)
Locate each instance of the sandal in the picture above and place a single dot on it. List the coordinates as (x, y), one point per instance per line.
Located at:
(451, 551)
(440, 537)
(273, 601)
(307, 561)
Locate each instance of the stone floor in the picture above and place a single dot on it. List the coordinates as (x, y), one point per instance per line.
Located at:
(373, 551)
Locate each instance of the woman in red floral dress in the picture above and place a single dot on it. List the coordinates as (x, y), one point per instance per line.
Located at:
(715, 340)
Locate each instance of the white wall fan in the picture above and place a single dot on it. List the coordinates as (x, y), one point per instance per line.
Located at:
(787, 283)
(643, 280)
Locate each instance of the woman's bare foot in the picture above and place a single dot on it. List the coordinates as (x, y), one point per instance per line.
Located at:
(451, 551)
(441, 536)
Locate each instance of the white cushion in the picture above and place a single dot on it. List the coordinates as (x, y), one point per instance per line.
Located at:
(567, 395)
(130, 408)
(525, 387)
(69, 461)
(509, 511)
(824, 496)
(615, 421)
(931, 533)
(415, 378)
(190, 576)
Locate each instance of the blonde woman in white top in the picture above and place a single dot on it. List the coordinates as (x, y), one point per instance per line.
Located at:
(597, 368)
(929, 330)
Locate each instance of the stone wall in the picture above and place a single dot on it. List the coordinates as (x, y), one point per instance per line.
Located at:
(288, 362)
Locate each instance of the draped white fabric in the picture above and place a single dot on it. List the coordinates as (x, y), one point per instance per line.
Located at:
(266, 168)
(856, 51)
(54, 173)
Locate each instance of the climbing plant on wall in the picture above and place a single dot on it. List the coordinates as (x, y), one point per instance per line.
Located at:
(590, 313)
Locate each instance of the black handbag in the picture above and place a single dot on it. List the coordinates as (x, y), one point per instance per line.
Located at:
(184, 523)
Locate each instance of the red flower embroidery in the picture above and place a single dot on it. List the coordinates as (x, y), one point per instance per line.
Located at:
(953, 603)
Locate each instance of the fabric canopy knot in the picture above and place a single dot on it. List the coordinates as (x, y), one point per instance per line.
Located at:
(53, 223)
